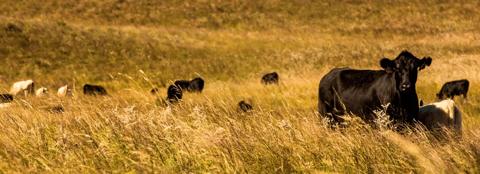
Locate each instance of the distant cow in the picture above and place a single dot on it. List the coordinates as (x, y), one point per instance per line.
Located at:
(94, 90)
(244, 106)
(184, 84)
(6, 98)
(26, 87)
(453, 88)
(40, 92)
(361, 92)
(154, 91)
(270, 78)
(196, 85)
(174, 94)
(441, 114)
(64, 91)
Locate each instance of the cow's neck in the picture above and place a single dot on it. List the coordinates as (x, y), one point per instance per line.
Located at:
(405, 103)
(409, 101)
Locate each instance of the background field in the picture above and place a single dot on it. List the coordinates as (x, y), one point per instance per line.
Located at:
(130, 46)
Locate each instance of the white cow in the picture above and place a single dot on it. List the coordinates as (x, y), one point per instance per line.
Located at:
(64, 91)
(441, 114)
(41, 92)
(26, 87)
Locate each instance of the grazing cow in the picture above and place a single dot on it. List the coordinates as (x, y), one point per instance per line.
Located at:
(453, 88)
(244, 106)
(362, 92)
(184, 84)
(27, 87)
(154, 91)
(64, 91)
(441, 114)
(94, 90)
(174, 94)
(270, 78)
(41, 92)
(196, 85)
(6, 98)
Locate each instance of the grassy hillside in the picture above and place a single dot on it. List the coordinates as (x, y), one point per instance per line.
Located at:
(130, 46)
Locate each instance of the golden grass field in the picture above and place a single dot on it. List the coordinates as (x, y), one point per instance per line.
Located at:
(130, 46)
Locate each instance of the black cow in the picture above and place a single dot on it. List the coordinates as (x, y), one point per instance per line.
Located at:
(453, 88)
(184, 84)
(174, 94)
(94, 90)
(244, 106)
(6, 98)
(361, 92)
(270, 78)
(196, 85)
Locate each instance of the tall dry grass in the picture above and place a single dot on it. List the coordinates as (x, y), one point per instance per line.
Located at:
(132, 46)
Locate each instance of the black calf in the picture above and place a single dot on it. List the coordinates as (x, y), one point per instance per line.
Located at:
(270, 78)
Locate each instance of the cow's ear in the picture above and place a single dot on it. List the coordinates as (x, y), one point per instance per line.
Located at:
(387, 64)
(426, 61)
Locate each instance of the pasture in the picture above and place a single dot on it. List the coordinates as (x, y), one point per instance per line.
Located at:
(130, 47)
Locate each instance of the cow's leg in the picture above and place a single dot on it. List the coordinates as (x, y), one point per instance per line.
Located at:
(332, 114)
(338, 111)
(322, 108)
(329, 111)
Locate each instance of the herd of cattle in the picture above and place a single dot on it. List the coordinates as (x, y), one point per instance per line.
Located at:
(342, 91)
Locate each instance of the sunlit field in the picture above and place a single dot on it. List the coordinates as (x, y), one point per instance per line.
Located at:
(131, 46)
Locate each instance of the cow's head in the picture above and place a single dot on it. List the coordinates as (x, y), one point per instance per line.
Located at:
(405, 67)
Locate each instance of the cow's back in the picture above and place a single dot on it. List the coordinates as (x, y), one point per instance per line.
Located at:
(94, 90)
(183, 84)
(453, 88)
